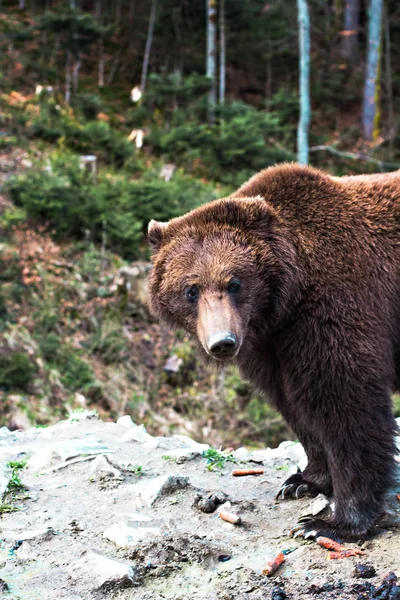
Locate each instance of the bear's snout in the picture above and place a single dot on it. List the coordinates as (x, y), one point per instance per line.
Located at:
(222, 345)
(219, 326)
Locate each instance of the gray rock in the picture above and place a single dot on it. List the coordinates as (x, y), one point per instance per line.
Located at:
(126, 421)
(101, 468)
(158, 487)
(125, 535)
(101, 573)
(5, 476)
(65, 451)
(139, 434)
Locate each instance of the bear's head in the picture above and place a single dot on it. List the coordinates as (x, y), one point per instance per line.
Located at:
(225, 272)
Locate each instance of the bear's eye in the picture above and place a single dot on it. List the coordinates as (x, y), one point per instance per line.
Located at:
(192, 293)
(233, 286)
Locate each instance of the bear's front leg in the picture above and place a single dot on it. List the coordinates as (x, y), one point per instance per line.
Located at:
(315, 479)
(357, 430)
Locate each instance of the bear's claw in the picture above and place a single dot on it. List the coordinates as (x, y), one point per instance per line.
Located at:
(310, 528)
(296, 487)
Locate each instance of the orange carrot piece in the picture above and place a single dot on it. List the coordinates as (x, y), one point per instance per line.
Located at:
(398, 496)
(243, 472)
(326, 542)
(345, 553)
(273, 565)
(230, 517)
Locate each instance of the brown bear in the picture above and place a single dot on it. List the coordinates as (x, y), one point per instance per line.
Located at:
(296, 279)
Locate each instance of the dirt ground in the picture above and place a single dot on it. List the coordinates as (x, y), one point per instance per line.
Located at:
(86, 478)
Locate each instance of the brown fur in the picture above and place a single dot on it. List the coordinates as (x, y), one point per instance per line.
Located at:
(317, 317)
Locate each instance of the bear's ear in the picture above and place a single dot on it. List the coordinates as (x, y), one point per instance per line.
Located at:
(155, 233)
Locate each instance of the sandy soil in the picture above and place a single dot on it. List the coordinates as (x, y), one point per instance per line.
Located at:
(54, 547)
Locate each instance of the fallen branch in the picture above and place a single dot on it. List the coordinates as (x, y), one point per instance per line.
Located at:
(355, 156)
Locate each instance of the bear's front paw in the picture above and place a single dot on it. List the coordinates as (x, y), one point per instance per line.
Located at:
(297, 487)
(310, 528)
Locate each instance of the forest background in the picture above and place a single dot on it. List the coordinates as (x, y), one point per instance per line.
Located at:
(116, 112)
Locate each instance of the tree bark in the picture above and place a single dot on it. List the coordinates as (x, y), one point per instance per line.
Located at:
(222, 52)
(67, 96)
(101, 64)
(75, 75)
(149, 40)
(211, 63)
(350, 30)
(389, 81)
(304, 83)
(371, 76)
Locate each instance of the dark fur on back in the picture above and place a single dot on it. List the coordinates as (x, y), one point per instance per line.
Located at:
(320, 261)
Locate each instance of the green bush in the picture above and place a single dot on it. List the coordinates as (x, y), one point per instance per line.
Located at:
(75, 374)
(16, 370)
(55, 125)
(72, 203)
(229, 151)
(89, 105)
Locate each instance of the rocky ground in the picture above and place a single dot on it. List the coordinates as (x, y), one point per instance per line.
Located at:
(104, 510)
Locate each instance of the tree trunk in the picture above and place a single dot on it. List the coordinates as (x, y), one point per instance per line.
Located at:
(72, 4)
(211, 62)
(22, 4)
(75, 75)
(118, 11)
(304, 83)
(350, 30)
(101, 64)
(10, 53)
(149, 40)
(67, 96)
(369, 103)
(389, 81)
(222, 52)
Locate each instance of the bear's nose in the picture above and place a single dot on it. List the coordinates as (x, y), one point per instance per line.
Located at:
(222, 345)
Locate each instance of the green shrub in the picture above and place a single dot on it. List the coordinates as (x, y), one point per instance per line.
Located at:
(75, 374)
(89, 105)
(71, 203)
(16, 370)
(49, 345)
(229, 151)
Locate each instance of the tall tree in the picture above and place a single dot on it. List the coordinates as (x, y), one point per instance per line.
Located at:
(222, 52)
(350, 30)
(371, 76)
(304, 83)
(211, 70)
(149, 40)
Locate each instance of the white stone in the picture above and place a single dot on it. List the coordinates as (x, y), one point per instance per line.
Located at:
(102, 573)
(124, 535)
(5, 476)
(160, 486)
(126, 421)
(33, 534)
(66, 450)
(242, 455)
(318, 505)
(4, 432)
(100, 468)
(139, 434)
(187, 442)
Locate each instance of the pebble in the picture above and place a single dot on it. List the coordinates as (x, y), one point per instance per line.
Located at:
(363, 571)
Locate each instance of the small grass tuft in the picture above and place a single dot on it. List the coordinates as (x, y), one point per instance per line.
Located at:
(216, 459)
